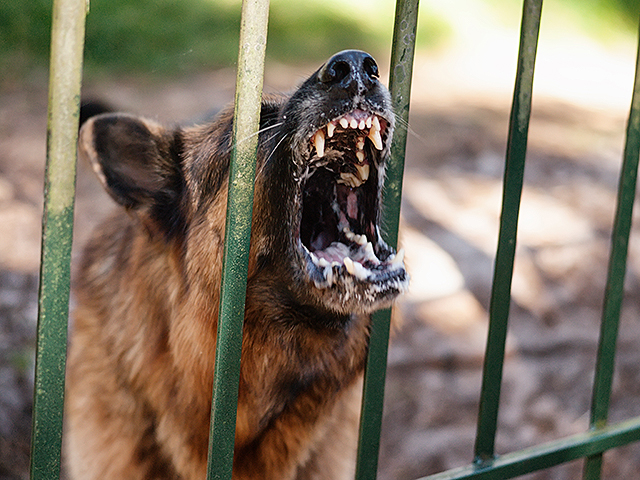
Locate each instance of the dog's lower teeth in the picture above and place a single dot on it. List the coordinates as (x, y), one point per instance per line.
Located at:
(398, 260)
(356, 269)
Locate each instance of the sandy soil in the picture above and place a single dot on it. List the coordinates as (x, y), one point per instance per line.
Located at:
(450, 216)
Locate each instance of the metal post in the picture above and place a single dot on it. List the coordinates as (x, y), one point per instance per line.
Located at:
(614, 291)
(503, 272)
(253, 41)
(402, 54)
(67, 42)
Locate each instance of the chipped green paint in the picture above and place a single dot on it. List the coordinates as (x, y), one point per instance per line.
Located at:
(67, 40)
(253, 34)
(375, 373)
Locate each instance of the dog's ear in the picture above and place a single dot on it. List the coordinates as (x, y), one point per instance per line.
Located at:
(138, 163)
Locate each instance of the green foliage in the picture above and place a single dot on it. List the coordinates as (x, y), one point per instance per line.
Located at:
(160, 36)
(174, 37)
(315, 32)
(25, 31)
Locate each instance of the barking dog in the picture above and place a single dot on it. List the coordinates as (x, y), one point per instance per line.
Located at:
(142, 352)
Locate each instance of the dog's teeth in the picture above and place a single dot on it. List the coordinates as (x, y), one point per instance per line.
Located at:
(349, 234)
(360, 143)
(328, 274)
(376, 139)
(369, 253)
(353, 123)
(348, 264)
(398, 260)
(344, 123)
(363, 170)
(360, 156)
(369, 121)
(348, 178)
(330, 129)
(318, 141)
(356, 269)
(362, 124)
(375, 123)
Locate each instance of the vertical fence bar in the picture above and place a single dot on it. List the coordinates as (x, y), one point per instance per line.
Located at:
(402, 54)
(65, 73)
(614, 291)
(253, 41)
(503, 270)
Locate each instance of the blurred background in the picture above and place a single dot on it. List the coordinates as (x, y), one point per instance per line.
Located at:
(174, 61)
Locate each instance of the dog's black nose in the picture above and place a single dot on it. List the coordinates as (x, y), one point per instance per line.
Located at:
(352, 70)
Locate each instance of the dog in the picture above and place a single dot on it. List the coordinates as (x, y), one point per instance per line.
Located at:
(141, 358)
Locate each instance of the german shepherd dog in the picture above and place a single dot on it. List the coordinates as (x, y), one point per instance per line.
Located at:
(143, 342)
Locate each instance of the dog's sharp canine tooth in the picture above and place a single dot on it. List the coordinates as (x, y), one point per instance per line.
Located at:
(375, 123)
(318, 141)
(330, 129)
(398, 260)
(348, 264)
(344, 123)
(376, 139)
(370, 254)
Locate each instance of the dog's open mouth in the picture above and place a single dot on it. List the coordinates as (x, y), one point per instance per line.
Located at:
(340, 203)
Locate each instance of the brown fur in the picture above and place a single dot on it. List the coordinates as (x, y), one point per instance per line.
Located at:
(144, 334)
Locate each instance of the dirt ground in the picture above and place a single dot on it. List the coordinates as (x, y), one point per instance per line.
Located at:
(450, 217)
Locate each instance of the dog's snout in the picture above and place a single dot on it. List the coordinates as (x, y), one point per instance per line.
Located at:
(352, 70)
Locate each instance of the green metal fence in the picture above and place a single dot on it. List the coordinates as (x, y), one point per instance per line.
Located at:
(66, 66)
